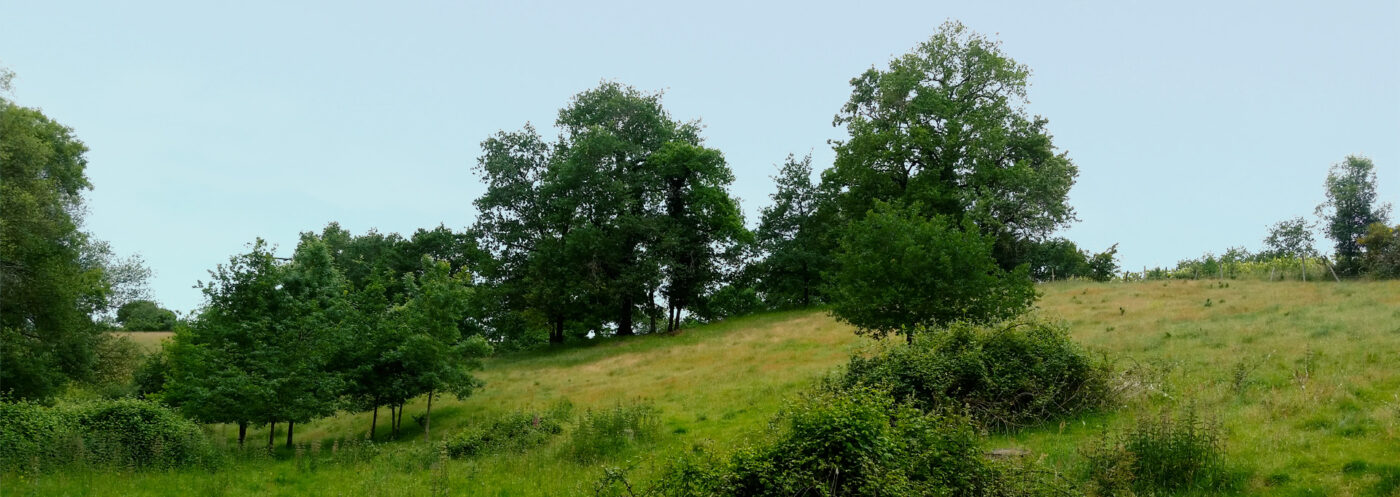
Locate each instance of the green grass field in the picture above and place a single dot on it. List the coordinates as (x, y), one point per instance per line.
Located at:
(1303, 378)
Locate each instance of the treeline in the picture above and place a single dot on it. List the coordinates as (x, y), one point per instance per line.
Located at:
(354, 323)
(1352, 216)
(624, 223)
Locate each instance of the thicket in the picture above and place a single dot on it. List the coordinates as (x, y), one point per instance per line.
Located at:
(1007, 375)
(855, 442)
(107, 433)
(516, 431)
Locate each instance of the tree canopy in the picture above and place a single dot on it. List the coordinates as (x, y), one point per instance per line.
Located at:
(54, 278)
(1351, 208)
(901, 272)
(944, 126)
(585, 231)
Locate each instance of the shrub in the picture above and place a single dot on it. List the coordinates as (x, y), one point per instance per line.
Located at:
(852, 443)
(602, 432)
(122, 433)
(1008, 374)
(516, 431)
(1166, 453)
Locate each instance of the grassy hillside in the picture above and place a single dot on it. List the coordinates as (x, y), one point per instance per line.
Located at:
(1303, 378)
(149, 341)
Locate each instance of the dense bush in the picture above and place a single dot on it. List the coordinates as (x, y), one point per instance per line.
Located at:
(851, 443)
(116, 361)
(1381, 244)
(601, 432)
(515, 431)
(120, 433)
(1165, 453)
(1007, 374)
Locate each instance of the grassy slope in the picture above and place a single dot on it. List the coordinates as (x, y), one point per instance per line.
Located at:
(722, 383)
(149, 341)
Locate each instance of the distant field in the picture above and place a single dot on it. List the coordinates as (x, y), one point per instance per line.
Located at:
(148, 340)
(1304, 379)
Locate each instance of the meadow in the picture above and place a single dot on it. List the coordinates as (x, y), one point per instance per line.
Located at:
(1303, 380)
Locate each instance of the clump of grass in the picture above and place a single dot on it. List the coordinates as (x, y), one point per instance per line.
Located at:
(604, 432)
(1181, 452)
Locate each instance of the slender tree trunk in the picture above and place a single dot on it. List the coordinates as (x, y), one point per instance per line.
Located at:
(242, 432)
(373, 420)
(392, 433)
(271, 430)
(1304, 264)
(806, 285)
(290, 424)
(428, 419)
(651, 308)
(556, 331)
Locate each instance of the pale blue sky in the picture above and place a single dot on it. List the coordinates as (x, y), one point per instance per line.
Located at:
(1194, 125)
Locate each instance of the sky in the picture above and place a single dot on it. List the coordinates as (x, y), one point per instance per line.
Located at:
(1195, 126)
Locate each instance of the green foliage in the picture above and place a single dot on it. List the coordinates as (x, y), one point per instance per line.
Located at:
(148, 380)
(117, 361)
(1289, 238)
(49, 287)
(263, 347)
(145, 315)
(899, 272)
(727, 302)
(517, 431)
(1381, 244)
(1059, 258)
(1351, 207)
(599, 433)
(945, 127)
(1006, 375)
(118, 433)
(852, 443)
(794, 239)
(1166, 453)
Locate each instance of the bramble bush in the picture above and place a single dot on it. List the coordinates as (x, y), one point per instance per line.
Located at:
(516, 431)
(1007, 374)
(855, 442)
(117, 433)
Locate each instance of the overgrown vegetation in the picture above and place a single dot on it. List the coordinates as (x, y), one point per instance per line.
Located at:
(854, 442)
(1007, 375)
(516, 431)
(604, 431)
(1165, 453)
(110, 434)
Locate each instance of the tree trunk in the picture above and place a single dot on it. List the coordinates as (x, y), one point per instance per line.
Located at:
(624, 320)
(242, 432)
(1302, 262)
(651, 308)
(428, 419)
(290, 424)
(393, 432)
(271, 431)
(556, 331)
(374, 420)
